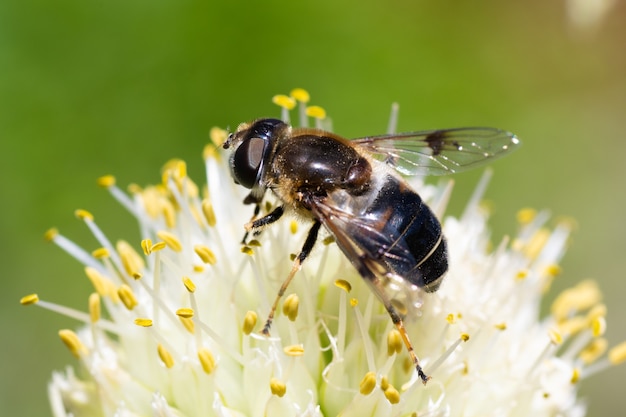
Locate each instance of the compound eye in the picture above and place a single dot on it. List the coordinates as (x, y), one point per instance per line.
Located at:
(247, 161)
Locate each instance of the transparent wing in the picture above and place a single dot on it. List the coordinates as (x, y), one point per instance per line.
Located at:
(439, 152)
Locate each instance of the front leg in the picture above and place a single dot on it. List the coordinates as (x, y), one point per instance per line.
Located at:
(255, 226)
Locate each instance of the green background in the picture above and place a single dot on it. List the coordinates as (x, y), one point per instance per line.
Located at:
(96, 87)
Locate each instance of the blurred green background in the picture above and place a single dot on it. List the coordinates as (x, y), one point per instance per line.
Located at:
(96, 87)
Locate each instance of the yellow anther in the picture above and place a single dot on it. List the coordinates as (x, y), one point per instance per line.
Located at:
(594, 350)
(95, 309)
(131, 260)
(394, 342)
(316, 112)
(169, 214)
(300, 94)
(598, 326)
(278, 387)
(29, 299)
(328, 240)
(284, 101)
(581, 297)
(293, 227)
(170, 240)
(72, 342)
(521, 275)
(573, 325)
(189, 284)
(599, 310)
(290, 306)
(165, 356)
(185, 312)
(83, 215)
(575, 376)
(50, 234)
(143, 322)
(101, 253)
(526, 215)
(500, 326)
(208, 212)
(343, 284)
(392, 395)
(127, 296)
(294, 350)
(207, 360)
(292, 256)
(255, 243)
(137, 275)
(555, 337)
(354, 302)
(249, 321)
(450, 318)
(247, 250)
(97, 280)
(465, 370)
(198, 268)
(465, 337)
(218, 136)
(158, 246)
(146, 246)
(553, 270)
(384, 383)
(617, 354)
(206, 254)
(536, 244)
(176, 168)
(368, 383)
(106, 181)
(134, 189)
(188, 323)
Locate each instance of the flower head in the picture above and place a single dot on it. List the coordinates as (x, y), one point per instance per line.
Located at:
(173, 323)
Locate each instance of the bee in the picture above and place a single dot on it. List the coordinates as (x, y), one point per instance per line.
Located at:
(354, 188)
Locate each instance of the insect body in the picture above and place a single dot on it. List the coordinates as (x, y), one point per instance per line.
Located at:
(348, 186)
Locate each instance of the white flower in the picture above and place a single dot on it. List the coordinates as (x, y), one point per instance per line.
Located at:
(172, 327)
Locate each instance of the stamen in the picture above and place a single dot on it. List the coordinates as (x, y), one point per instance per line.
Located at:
(189, 324)
(249, 322)
(277, 387)
(189, 284)
(106, 181)
(368, 383)
(166, 357)
(170, 240)
(300, 95)
(209, 213)
(146, 246)
(127, 296)
(294, 350)
(344, 285)
(207, 360)
(131, 260)
(83, 215)
(206, 254)
(464, 337)
(394, 342)
(185, 312)
(95, 309)
(29, 299)
(143, 322)
(392, 394)
(581, 297)
(316, 112)
(594, 350)
(73, 343)
(290, 306)
(100, 253)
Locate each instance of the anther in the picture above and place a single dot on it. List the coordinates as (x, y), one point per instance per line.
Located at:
(208, 212)
(165, 356)
(300, 94)
(189, 284)
(249, 322)
(278, 387)
(343, 284)
(284, 101)
(185, 312)
(106, 181)
(72, 342)
(29, 299)
(95, 309)
(368, 383)
(290, 306)
(101, 253)
(392, 395)
(127, 296)
(143, 322)
(294, 350)
(316, 112)
(170, 240)
(50, 234)
(206, 254)
(617, 354)
(83, 215)
(207, 360)
(394, 342)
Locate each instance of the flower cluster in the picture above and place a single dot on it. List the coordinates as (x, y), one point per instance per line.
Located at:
(173, 322)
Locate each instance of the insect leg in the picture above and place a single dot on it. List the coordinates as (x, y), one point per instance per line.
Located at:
(274, 215)
(304, 253)
(257, 209)
(397, 321)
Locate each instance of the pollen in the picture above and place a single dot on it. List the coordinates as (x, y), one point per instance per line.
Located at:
(101, 253)
(249, 321)
(294, 350)
(106, 181)
(394, 342)
(284, 101)
(127, 296)
(185, 312)
(208, 212)
(368, 383)
(50, 234)
(189, 284)
(29, 299)
(300, 94)
(290, 306)
(143, 322)
(316, 112)
(95, 308)
(278, 387)
(83, 215)
(73, 343)
(166, 357)
(218, 136)
(170, 240)
(526, 215)
(207, 360)
(343, 284)
(206, 254)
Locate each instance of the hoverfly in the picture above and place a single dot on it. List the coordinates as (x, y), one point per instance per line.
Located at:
(353, 189)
